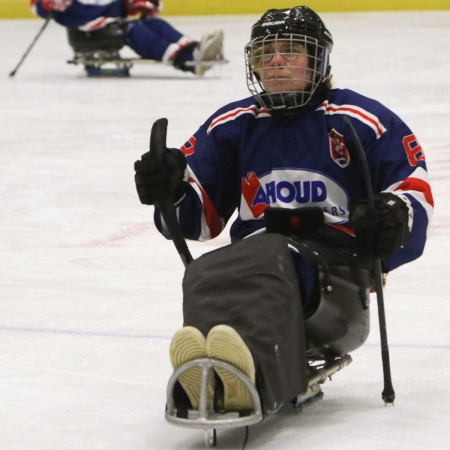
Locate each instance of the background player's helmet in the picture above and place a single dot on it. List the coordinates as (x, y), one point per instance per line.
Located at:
(289, 30)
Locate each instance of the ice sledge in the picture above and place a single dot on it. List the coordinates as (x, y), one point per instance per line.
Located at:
(99, 52)
(337, 324)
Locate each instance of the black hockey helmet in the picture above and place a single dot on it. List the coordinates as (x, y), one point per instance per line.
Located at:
(299, 20)
(299, 25)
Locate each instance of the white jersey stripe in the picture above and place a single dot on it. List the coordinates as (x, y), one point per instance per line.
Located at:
(235, 113)
(420, 190)
(356, 112)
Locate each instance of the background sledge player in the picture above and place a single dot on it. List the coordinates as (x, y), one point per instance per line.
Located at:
(286, 159)
(150, 36)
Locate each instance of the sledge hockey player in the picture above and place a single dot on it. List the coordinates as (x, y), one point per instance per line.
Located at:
(296, 279)
(149, 36)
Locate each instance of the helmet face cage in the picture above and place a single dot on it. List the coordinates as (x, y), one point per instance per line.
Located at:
(269, 58)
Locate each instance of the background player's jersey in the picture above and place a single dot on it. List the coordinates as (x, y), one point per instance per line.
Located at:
(85, 14)
(243, 157)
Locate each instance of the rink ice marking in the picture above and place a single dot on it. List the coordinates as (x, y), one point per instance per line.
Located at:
(158, 337)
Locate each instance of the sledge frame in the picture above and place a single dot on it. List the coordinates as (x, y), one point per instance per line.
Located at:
(111, 63)
(206, 417)
(209, 420)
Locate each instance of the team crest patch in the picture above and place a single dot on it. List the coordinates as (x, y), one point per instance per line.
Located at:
(338, 150)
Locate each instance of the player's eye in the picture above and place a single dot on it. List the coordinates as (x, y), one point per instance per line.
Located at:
(263, 52)
(291, 50)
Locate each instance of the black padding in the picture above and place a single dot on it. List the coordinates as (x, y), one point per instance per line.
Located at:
(341, 322)
(300, 222)
(109, 38)
(252, 286)
(338, 320)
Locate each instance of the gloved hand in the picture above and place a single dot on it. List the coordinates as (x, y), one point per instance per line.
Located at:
(154, 178)
(384, 230)
(149, 8)
(56, 5)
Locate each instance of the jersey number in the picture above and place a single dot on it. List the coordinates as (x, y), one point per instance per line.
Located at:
(413, 150)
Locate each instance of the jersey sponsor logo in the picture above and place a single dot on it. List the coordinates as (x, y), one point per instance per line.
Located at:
(292, 189)
(413, 150)
(338, 149)
(189, 147)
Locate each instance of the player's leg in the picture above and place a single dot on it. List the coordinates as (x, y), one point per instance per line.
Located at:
(210, 47)
(149, 43)
(158, 40)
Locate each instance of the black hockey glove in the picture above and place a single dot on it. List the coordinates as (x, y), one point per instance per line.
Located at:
(154, 178)
(384, 230)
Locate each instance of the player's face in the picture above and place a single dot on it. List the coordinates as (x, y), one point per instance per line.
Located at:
(282, 66)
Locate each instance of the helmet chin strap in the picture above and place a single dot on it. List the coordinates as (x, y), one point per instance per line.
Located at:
(285, 102)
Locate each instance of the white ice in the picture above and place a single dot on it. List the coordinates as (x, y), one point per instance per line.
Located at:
(91, 293)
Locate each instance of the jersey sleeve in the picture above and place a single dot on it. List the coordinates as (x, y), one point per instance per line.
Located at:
(397, 164)
(403, 172)
(36, 8)
(83, 14)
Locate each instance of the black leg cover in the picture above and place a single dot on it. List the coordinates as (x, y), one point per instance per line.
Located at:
(252, 286)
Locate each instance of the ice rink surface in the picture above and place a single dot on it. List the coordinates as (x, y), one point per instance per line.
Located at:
(91, 293)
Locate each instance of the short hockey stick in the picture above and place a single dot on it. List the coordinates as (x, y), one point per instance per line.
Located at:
(388, 394)
(164, 201)
(47, 20)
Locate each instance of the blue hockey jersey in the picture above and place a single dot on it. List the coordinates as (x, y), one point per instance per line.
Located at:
(85, 14)
(247, 159)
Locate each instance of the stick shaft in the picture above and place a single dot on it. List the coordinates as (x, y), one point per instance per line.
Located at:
(168, 212)
(47, 20)
(388, 393)
(165, 200)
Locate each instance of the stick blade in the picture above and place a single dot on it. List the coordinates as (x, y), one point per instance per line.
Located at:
(158, 137)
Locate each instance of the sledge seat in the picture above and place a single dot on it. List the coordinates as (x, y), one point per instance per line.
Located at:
(98, 50)
(110, 38)
(340, 323)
